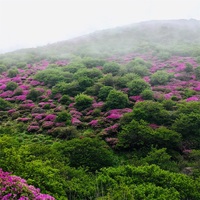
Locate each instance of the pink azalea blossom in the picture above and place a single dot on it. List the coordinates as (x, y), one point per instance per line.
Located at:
(94, 123)
(75, 121)
(193, 98)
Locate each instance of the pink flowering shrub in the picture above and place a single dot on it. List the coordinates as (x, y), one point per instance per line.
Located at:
(94, 123)
(98, 104)
(33, 128)
(114, 116)
(38, 116)
(154, 126)
(34, 83)
(76, 114)
(75, 121)
(193, 98)
(25, 119)
(27, 106)
(47, 124)
(7, 93)
(11, 111)
(50, 117)
(112, 141)
(117, 113)
(112, 129)
(61, 62)
(24, 87)
(136, 98)
(3, 87)
(48, 93)
(16, 188)
(20, 98)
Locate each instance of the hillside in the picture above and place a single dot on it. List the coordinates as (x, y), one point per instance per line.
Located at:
(110, 115)
(172, 36)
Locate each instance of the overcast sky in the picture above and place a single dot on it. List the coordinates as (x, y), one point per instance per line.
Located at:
(31, 23)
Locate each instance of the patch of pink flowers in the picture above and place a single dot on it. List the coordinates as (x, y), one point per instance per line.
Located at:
(117, 113)
(112, 129)
(75, 121)
(154, 126)
(50, 117)
(47, 124)
(14, 187)
(98, 104)
(25, 119)
(32, 128)
(94, 123)
(136, 98)
(193, 98)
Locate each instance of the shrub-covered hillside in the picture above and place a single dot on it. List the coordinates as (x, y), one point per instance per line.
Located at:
(119, 125)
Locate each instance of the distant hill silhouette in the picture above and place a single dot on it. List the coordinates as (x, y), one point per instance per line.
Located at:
(156, 35)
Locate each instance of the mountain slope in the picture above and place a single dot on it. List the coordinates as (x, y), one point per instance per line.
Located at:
(177, 36)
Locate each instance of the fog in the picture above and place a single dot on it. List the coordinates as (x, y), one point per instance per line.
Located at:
(32, 23)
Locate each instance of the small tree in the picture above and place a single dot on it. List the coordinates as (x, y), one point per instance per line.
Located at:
(4, 105)
(112, 68)
(92, 154)
(91, 62)
(152, 112)
(33, 94)
(65, 99)
(104, 91)
(197, 73)
(135, 134)
(147, 94)
(64, 116)
(137, 86)
(11, 86)
(85, 82)
(21, 65)
(2, 68)
(138, 66)
(188, 125)
(13, 72)
(83, 101)
(116, 99)
(189, 68)
(160, 78)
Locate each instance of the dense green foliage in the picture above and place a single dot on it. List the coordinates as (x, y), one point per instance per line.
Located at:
(83, 101)
(2, 68)
(138, 66)
(160, 78)
(4, 105)
(13, 72)
(11, 86)
(112, 68)
(137, 86)
(116, 99)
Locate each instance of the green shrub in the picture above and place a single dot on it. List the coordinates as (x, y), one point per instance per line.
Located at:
(83, 101)
(104, 91)
(5, 105)
(13, 72)
(92, 154)
(112, 68)
(64, 116)
(11, 86)
(137, 86)
(160, 78)
(116, 99)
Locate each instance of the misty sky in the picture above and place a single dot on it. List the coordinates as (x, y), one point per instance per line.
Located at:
(31, 23)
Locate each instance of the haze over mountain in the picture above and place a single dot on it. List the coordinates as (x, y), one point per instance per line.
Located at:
(166, 35)
(32, 23)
